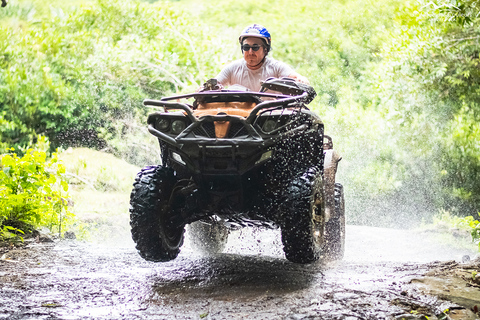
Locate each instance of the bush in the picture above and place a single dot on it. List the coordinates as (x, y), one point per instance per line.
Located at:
(33, 193)
(71, 74)
(467, 223)
(426, 87)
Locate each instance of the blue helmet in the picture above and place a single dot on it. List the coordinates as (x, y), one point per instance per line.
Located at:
(258, 31)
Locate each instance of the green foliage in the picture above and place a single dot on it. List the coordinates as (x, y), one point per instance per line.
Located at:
(33, 192)
(467, 223)
(100, 185)
(463, 223)
(96, 170)
(462, 159)
(77, 72)
(397, 83)
(427, 86)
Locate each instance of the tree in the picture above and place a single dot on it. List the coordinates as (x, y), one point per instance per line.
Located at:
(430, 87)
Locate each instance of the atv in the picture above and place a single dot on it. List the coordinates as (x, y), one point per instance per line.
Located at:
(235, 158)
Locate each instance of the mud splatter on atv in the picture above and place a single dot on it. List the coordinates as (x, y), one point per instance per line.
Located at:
(235, 158)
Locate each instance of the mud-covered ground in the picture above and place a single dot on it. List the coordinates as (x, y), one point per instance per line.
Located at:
(381, 277)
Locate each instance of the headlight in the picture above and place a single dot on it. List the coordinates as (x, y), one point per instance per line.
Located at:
(178, 126)
(265, 156)
(178, 158)
(269, 125)
(162, 124)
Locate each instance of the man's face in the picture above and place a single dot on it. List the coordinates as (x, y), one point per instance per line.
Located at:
(253, 58)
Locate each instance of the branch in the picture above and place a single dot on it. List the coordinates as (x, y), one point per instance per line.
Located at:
(88, 183)
(458, 40)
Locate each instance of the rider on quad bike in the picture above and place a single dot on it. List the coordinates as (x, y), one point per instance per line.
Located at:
(237, 158)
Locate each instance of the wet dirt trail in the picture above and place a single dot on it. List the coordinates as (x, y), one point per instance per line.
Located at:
(251, 280)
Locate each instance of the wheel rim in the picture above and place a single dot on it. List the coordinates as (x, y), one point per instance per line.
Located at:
(172, 234)
(317, 222)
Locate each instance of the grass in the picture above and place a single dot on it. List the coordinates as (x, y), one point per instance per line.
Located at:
(96, 170)
(100, 186)
(452, 231)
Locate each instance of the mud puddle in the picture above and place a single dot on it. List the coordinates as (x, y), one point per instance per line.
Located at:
(251, 280)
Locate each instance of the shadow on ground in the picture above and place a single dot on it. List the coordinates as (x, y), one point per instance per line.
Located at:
(232, 276)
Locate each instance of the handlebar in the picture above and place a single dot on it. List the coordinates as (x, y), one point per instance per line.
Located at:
(171, 105)
(266, 104)
(270, 104)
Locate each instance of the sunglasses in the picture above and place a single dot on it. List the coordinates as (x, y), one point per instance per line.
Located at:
(247, 47)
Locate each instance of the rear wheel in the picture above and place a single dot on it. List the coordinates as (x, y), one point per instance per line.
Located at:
(334, 247)
(208, 236)
(150, 215)
(303, 226)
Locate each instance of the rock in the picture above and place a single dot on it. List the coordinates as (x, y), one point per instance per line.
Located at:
(476, 279)
(450, 288)
(69, 235)
(461, 314)
(44, 238)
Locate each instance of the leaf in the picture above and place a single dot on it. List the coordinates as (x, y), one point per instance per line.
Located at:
(6, 170)
(64, 185)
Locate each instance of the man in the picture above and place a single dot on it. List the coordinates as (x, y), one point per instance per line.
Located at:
(255, 66)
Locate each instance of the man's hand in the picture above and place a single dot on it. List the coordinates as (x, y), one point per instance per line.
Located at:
(210, 85)
(4, 3)
(298, 77)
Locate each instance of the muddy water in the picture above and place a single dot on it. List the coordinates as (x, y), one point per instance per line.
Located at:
(251, 280)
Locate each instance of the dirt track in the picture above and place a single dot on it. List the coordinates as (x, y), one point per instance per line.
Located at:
(252, 280)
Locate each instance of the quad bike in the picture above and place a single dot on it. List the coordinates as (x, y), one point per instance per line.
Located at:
(235, 158)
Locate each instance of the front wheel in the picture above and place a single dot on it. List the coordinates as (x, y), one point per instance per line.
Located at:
(303, 226)
(156, 238)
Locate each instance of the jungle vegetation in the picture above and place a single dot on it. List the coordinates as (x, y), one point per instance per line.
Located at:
(398, 84)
